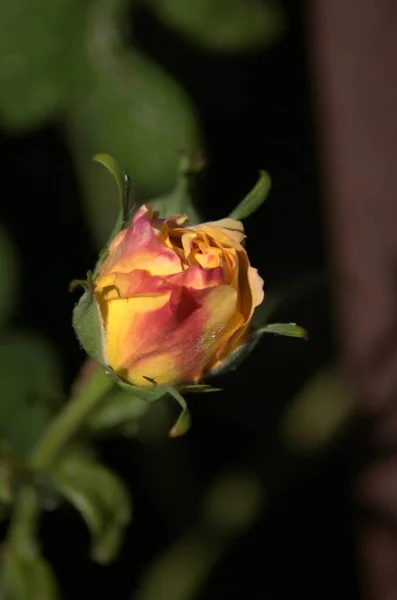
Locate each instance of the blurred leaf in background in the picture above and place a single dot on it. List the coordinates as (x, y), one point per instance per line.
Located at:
(31, 387)
(101, 499)
(41, 55)
(319, 412)
(232, 503)
(222, 25)
(132, 110)
(26, 577)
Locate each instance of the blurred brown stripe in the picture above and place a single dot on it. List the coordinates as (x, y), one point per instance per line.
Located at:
(354, 55)
(354, 60)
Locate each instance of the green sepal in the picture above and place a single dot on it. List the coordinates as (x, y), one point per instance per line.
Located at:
(285, 329)
(75, 283)
(127, 404)
(124, 193)
(198, 388)
(179, 200)
(233, 361)
(88, 325)
(123, 186)
(150, 394)
(241, 353)
(155, 392)
(254, 198)
(183, 422)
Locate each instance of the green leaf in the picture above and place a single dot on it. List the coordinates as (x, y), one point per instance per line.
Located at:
(101, 499)
(139, 115)
(286, 329)
(27, 577)
(41, 58)
(222, 25)
(253, 199)
(31, 388)
(9, 277)
(88, 325)
(319, 412)
(6, 479)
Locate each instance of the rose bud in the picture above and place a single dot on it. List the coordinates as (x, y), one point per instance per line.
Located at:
(175, 301)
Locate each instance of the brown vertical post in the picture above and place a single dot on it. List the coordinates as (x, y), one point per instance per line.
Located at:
(354, 59)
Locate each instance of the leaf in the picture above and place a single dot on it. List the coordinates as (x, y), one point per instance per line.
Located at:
(27, 577)
(88, 326)
(101, 499)
(31, 388)
(222, 25)
(137, 113)
(318, 412)
(41, 58)
(253, 199)
(9, 277)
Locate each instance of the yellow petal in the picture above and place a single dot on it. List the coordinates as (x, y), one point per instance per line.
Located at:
(256, 284)
(221, 236)
(122, 318)
(230, 224)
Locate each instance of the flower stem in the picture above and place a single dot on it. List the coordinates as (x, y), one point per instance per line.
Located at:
(69, 420)
(23, 524)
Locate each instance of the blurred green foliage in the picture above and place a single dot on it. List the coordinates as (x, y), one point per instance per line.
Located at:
(222, 25)
(70, 60)
(41, 56)
(101, 499)
(31, 388)
(27, 577)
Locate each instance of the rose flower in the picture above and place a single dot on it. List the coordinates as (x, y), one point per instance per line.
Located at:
(175, 300)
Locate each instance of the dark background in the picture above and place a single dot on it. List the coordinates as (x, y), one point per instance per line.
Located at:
(256, 112)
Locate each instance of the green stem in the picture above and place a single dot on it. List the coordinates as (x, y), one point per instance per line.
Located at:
(23, 524)
(69, 420)
(21, 536)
